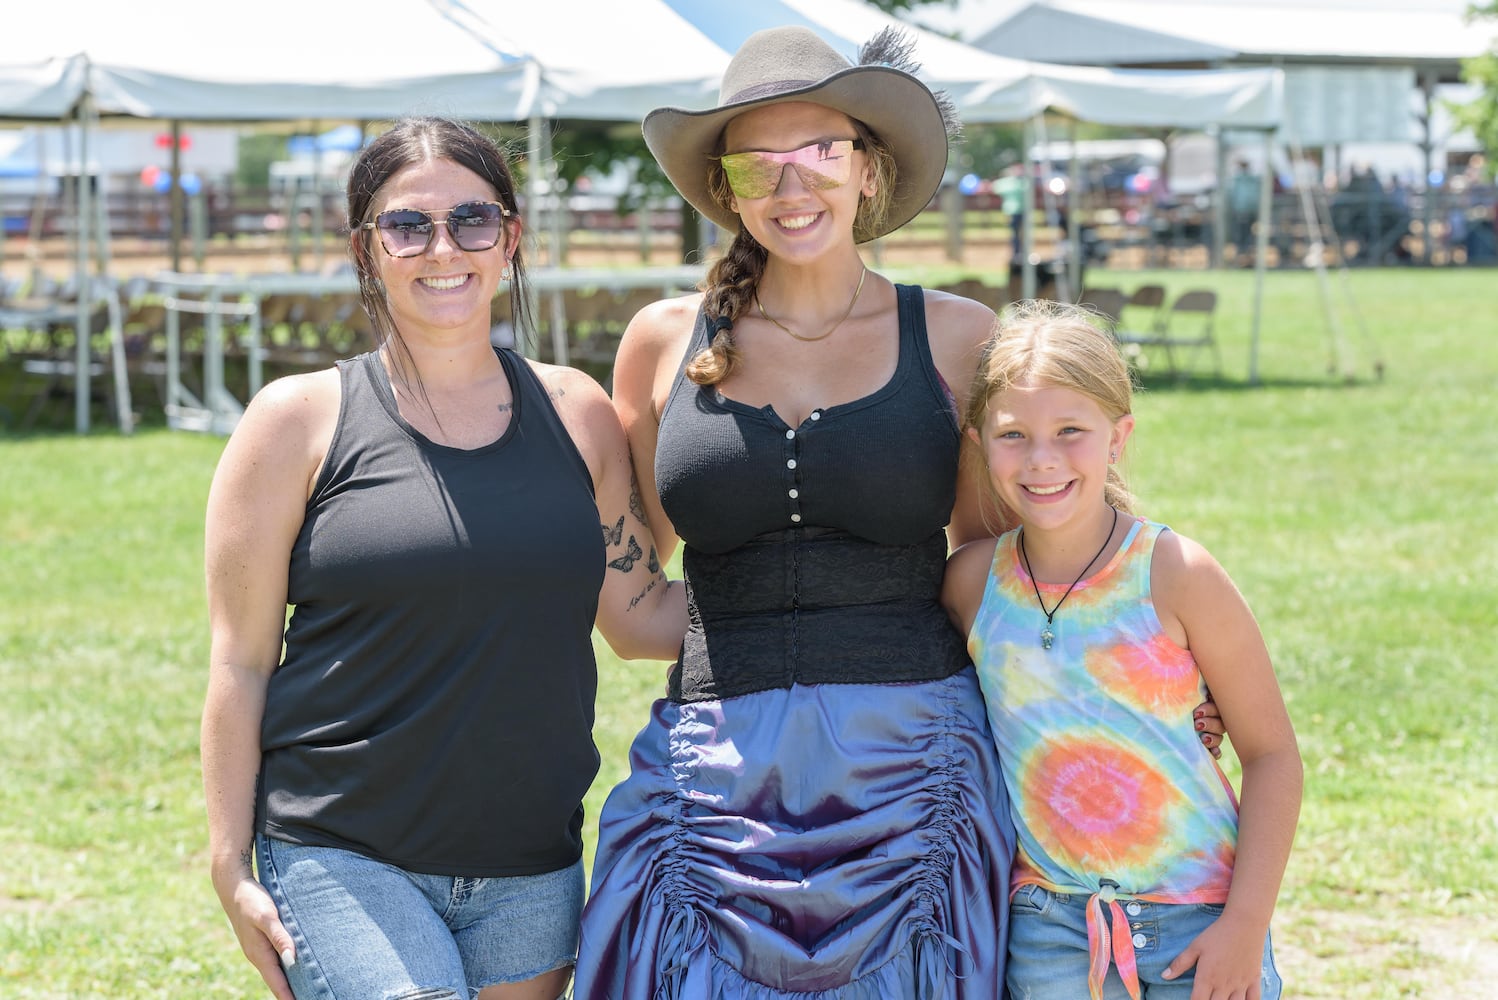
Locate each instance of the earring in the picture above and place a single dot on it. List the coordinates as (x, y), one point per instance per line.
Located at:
(504, 274)
(1112, 457)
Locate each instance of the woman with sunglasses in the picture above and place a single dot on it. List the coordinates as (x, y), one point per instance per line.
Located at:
(407, 776)
(816, 808)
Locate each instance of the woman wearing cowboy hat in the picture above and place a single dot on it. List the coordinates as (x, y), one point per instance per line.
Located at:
(816, 808)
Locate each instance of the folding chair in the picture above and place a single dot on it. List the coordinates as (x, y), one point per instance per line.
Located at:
(1188, 327)
(1106, 302)
(1145, 308)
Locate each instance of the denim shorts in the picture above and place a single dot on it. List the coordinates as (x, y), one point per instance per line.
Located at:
(366, 930)
(1048, 947)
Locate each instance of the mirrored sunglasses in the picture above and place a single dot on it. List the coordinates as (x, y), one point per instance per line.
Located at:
(408, 232)
(820, 165)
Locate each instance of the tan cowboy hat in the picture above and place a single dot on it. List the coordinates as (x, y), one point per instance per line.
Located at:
(778, 65)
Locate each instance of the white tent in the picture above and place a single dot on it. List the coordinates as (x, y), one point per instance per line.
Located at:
(275, 60)
(278, 60)
(492, 60)
(675, 51)
(44, 91)
(1425, 34)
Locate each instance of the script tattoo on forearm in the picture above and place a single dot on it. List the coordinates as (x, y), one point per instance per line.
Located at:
(648, 588)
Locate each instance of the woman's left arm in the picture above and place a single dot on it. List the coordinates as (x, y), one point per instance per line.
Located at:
(641, 614)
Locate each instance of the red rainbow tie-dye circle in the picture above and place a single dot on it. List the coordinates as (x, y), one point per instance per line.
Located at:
(1106, 805)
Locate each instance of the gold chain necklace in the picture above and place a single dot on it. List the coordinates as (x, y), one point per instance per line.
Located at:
(846, 312)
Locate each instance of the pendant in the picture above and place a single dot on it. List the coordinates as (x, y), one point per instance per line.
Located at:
(1047, 636)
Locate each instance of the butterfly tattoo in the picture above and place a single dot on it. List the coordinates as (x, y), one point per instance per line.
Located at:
(632, 554)
(614, 535)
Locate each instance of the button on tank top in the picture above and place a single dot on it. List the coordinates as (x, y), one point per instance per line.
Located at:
(814, 554)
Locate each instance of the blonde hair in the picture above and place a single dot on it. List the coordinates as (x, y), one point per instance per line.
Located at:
(731, 281)
(1039, 342)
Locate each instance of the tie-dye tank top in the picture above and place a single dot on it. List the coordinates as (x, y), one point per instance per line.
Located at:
(1111, 787)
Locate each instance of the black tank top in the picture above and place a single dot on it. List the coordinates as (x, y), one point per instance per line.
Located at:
(434, 708)
(814, 554)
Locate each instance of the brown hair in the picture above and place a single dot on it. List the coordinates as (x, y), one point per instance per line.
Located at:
(417, 140)
(731, 281)
(1038, 341)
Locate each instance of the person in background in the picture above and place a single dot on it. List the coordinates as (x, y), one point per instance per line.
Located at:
(1094, 632)
(407, 776)
(1243, 211)
(816, 808)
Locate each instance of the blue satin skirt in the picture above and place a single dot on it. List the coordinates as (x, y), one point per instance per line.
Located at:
(837, 841)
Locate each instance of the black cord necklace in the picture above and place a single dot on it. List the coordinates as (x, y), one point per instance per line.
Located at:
(1046, 635)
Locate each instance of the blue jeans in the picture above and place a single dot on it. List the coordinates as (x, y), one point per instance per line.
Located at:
(1048, 954)
(366, 930)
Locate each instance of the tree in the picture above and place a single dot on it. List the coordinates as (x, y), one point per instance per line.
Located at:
(257, 151)
(1481, 115)
(986, 150)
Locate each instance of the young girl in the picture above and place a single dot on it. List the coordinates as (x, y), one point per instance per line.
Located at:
(1094, 632)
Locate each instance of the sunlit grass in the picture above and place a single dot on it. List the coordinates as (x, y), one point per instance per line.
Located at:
(1356, 515)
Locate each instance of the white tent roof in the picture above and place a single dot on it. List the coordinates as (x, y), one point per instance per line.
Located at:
(1242, 99)
(679, 49)
(1158, 31)
(46, 90)
(589, 74)
(496, 60)
(282, 59)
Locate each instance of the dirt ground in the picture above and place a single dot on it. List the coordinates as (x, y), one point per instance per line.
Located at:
(1336, 955)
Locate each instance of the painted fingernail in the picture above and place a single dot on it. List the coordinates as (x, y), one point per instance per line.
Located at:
(1200, 726)
(288, 957)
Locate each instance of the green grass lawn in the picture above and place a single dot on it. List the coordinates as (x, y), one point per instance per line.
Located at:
(1357, 514)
